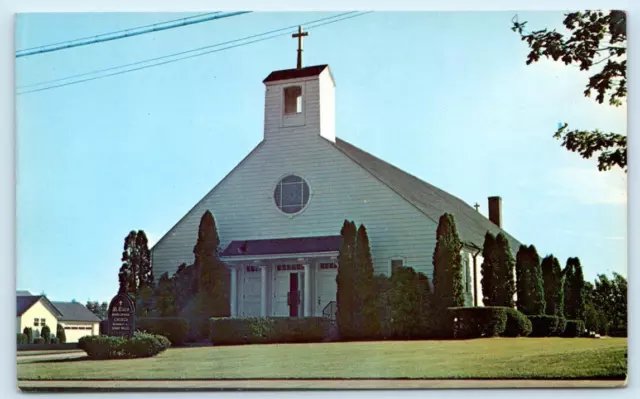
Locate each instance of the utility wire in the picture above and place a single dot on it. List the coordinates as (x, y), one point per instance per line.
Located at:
(180, 53)
(118, 31)
(124, 34)
(190, 56)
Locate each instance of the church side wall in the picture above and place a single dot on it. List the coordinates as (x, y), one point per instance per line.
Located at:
(244, 208)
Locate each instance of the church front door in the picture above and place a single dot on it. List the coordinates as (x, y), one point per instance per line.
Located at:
(295, 296)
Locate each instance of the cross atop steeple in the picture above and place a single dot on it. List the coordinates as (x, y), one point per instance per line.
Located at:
(300, 35)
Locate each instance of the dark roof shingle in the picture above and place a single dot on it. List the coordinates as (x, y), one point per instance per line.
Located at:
(24, 302)
(23, 293)
(295, 73)
(430, 200)
(279, 246)
(74, 311)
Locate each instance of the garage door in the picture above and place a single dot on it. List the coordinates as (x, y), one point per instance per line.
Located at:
(74, 332)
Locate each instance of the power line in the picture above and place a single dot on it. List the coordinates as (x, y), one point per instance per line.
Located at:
(124, 34)
(181, 53)
(118, 31)
(192, 56)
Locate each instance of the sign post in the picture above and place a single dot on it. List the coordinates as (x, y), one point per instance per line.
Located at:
(121, 316)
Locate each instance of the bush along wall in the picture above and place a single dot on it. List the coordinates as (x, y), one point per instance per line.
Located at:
(175, 329)
(518, 325)
(478, 322)
(547, 326)
(574, 328)
(108, 347)
(266, 330)
(22, 338)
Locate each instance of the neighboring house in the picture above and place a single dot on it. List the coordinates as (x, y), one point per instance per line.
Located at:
(77, 320)
(36, 311)
(280, 210)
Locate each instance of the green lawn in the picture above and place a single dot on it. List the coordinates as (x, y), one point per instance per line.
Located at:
(479, 358)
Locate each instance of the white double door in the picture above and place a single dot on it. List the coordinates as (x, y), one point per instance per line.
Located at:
(252, 294)
(288, 293)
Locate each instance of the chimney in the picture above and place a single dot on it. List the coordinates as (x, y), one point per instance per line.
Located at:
(495, 210)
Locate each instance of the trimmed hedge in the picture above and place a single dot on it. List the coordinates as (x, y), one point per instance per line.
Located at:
(617, 332)
(175, 329)
(518, 325)
(476, 322)
(547, 325)
(575, 328)
(46, 334)
(22, 338)
(28, 331)
(39, 341)
(108, 347)
(267, 330)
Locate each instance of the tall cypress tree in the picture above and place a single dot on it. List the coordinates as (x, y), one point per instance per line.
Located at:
(505, 265)
(447, 264)
(144, 260)
(135, 272)
(530, 288)
(212, 274)
(345, 281)
(488, 269)
(573, 290)
(553, 286)
(523, 280)
(369, 318)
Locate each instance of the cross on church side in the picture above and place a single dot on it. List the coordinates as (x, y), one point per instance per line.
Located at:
(299, 36)
(476, 206)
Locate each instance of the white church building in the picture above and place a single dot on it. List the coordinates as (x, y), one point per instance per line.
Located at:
(280, 210)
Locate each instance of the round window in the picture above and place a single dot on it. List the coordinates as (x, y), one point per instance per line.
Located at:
(291, 194)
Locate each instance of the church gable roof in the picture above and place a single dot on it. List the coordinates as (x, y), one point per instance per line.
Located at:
(430, 200)
(295, 73)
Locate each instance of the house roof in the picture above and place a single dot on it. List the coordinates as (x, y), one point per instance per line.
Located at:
(430, 200)
(74, 311)
(279, 246)
(295, 73)
(23, 293)
(24, 303)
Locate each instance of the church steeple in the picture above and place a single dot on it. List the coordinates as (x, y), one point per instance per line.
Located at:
(299, 36)
(300, 103)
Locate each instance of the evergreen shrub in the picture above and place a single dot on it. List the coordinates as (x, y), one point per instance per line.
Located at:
(267, 330)
(108, 347)
(175, 329)
(574, 328)
(39, 340)
(518, 325)
(22, 338)
(62, 336)
(28, 331)
(46, 334)
(547, 325)
(477, 322)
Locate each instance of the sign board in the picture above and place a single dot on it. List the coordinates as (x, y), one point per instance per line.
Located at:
(122, 316)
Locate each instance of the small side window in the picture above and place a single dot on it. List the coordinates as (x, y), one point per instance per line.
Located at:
(292, 100)
(36, 322)
(42, 322)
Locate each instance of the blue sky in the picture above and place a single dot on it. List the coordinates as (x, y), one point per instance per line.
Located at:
(445, 96)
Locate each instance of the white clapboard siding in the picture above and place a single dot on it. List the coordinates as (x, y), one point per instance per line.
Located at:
(244, 208)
